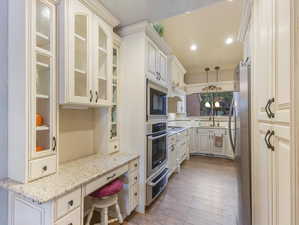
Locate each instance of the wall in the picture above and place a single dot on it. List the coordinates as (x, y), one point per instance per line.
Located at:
(224, 75)
(4, 104)
(76, 134)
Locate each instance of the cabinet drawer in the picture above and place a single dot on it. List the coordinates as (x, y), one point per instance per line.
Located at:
(113, 146)
(134, 196)
(67, 203)
(171, 139)
(42, 167)
(134, 165)
(134, 177)
(105, 179)
(73, 218)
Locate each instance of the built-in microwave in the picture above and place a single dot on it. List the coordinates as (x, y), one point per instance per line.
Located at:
(156, 146)
(156, 101)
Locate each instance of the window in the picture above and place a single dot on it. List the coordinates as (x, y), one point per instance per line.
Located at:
(209, 104)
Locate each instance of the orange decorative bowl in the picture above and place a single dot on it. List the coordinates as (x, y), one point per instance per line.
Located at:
(39, 120)
(39, 148)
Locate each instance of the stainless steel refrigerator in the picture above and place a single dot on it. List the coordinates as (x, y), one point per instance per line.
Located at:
(239, 132)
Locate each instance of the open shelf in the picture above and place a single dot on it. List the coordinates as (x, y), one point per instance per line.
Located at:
(43, 51)
(80, 37)
(42, 96)
(42, 128)
(80, 71)
(44, 65)
(102, 50)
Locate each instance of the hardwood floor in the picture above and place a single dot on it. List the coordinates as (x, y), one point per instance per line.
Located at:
(204, 193)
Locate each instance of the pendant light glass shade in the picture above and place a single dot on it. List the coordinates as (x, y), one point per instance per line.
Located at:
(217, 104)
(207, 105)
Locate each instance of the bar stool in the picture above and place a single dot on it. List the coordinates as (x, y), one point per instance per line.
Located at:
(103, 199)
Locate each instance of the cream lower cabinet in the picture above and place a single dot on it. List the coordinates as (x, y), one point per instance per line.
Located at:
(71, 207)
(32, 139)
(85, 56)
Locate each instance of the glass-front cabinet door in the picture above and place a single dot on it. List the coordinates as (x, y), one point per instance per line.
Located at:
(81, 91)
(115, 85)
(44, 81)
(102, 51)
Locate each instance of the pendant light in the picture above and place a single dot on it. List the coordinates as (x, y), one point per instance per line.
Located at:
(207, 104)
(217, 103)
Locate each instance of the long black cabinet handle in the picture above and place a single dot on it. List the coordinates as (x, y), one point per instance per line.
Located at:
(271, 101)
(266, 139)
(91, 96)
(266, 109)
(269, 140)
(54, 144)
(97, 96)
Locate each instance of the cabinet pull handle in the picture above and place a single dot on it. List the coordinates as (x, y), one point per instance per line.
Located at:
(136, 178)
(70, 223)
(266, 109)
(108, 178)
(91, 96)
(269, 140)
(97, 96)
(71, 203)
(266, 139)
(45, 168)
(271, 101)
(54, 144)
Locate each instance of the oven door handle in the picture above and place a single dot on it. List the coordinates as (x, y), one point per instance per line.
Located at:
(157, 137)
(161, 178)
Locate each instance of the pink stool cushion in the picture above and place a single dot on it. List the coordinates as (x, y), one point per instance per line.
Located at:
(110, 189)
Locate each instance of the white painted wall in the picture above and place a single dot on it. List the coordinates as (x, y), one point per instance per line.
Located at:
(3, 106)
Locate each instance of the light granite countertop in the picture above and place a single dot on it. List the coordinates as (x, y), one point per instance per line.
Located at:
(69, 177)
(177, 130)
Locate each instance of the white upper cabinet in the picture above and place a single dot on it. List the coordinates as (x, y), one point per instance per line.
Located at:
(156, 64)
(32, 99)
(176, 73)
(85, 56)
(44, 80)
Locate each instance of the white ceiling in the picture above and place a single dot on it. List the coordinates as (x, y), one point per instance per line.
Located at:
(132, 11)
(208, 28)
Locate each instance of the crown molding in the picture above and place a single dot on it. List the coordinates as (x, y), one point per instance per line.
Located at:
(147, 28)
(101, 11)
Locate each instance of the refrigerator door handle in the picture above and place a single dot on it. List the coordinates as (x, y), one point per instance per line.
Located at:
(230, 125)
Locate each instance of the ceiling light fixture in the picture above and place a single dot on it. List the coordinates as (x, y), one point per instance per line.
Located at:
(193, 47)
(229, 40)
(187, 12)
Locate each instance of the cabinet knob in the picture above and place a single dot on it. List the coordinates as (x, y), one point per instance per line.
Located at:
(108, 178)
(115, 146)
(45, 168)
(136, 165)
(136, 178)
(71, 203)
(136, 194)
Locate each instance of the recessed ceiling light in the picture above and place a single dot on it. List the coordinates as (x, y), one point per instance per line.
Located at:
(188, 12)
(229, 0)
(193, 47)
(229, 40)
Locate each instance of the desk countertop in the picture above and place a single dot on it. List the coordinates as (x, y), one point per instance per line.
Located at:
(70, 176)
